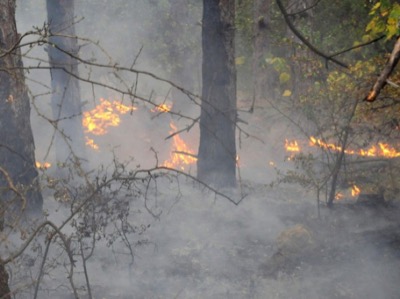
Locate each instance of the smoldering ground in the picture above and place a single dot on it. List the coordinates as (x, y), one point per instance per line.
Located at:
(270, 246)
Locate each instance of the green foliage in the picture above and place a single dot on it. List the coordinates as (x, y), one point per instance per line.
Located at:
(385, 20)
(281, 66)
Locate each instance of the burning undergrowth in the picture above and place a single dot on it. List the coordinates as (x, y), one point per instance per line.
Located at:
(202, 246)
(108, 114)
(155, 235)
(357, 170)
(151, 234)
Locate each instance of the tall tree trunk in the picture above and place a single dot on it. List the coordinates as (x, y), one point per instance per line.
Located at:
(65, 101)
(17, 150)
(5, 292)
(264, 76)
(18, 175)
(217, 150)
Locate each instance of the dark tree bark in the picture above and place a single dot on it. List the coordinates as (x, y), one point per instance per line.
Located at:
(217, 150)
(65, 101)
(17, 150)
(5, 292)
(19, 188)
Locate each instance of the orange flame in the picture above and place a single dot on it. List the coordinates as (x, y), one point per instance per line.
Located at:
(106, 114)
(162, 108)
(355, 190)
(181, 155)
(90, 142)
(44, 165)
(382, 150)
(292, 146)
(339, 196)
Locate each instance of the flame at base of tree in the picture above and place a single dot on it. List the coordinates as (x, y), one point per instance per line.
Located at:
(181, 155)
(107, 114)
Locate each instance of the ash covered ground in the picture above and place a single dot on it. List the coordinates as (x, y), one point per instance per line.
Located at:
(270, 246)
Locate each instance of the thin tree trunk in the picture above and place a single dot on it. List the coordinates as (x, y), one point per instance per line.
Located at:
(66, 103)
(17, 150)
(264, 76)
(217, 150)
(181, 55)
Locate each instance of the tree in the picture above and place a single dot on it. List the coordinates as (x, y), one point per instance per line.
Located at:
(264, 76)
(217, 150)
(65, 101)
(332, 89)
(177, 37)
(4, 288)
(18, 175)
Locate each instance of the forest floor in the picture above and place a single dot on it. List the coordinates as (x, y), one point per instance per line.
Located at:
(273, 245)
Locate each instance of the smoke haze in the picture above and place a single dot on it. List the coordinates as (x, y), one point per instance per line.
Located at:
(200, 245)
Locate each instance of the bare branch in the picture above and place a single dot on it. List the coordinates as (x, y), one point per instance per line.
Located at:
(304, 40)
(358, 46)
(386, 72)
(305, 9)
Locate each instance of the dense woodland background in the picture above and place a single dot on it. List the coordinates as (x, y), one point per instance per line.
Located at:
(199, 149)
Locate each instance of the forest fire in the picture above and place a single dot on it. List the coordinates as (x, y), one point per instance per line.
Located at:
(355, 190)
(380, 150)
(292, 146)
(162, 108)
(107, 114)
(182, 155)
(90, 142)
(44, 165)
(352, 193)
